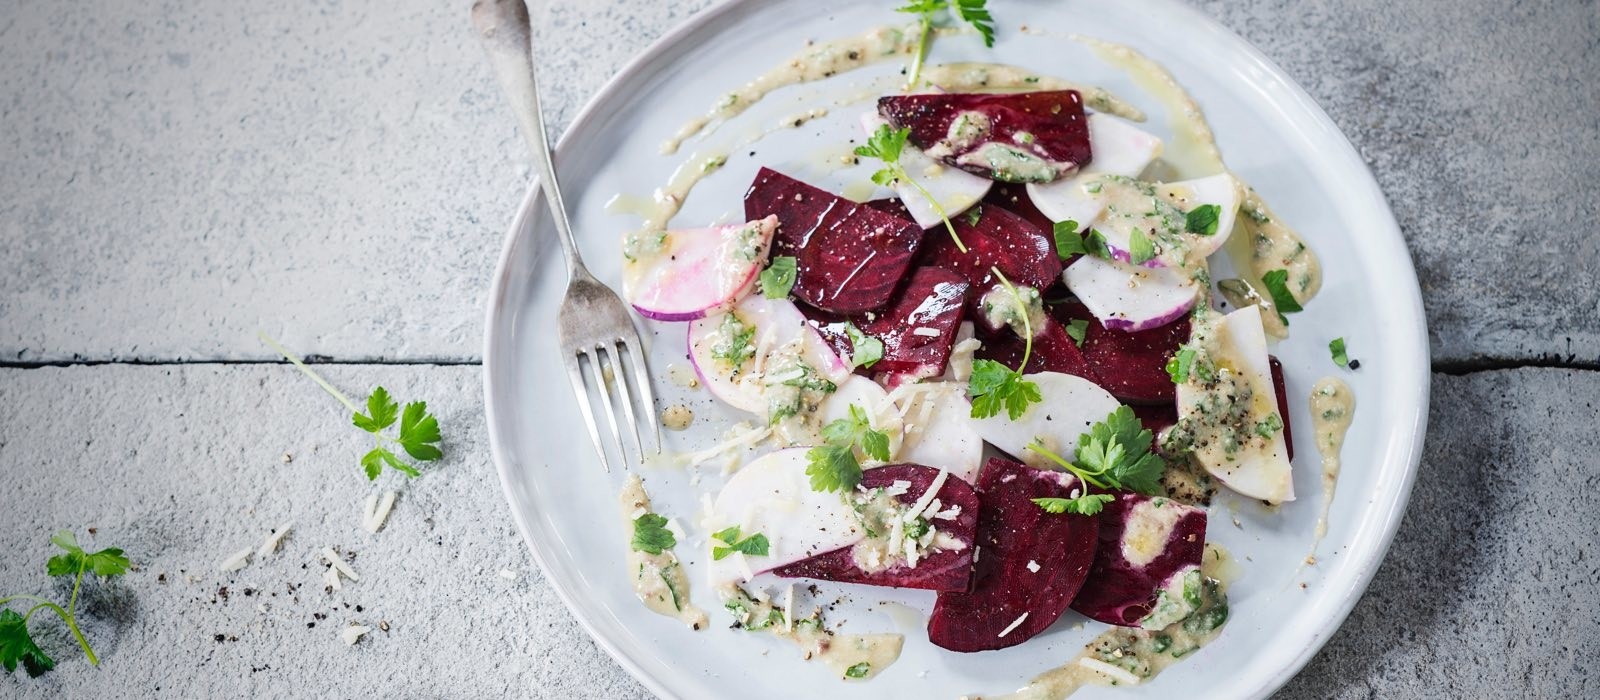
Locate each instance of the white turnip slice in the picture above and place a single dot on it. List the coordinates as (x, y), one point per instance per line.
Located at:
(1231, 410)
(1130, 297)
(1070, 406)
(1120, 148)
(772, 497)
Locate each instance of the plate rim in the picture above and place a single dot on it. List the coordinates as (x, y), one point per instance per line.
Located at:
(1372, 551)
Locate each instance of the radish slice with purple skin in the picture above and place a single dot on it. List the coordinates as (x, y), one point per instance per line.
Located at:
(954, 189)
(938, 428)
(1128, 297)
(693, 273)
(1245, 452)
(1159, 213)
(1070, 406)
(1120, 148)
(778, 332)
(772, 497)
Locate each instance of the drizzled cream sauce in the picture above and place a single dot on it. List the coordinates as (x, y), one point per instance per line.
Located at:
(851, 656)
(1128, 656)
(668, 199)
(1333, 405)
(658, 579)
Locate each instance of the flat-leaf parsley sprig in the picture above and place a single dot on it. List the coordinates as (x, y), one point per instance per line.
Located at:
(418, 432)
(1114, 454)
(885, 144)
(834, 466)
(994, 386)
(16, 645)
(973, 12)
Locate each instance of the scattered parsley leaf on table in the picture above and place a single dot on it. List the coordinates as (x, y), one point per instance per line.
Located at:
(650, 534)
(1340, 356)
(419, 430)
(755, 545)
(16, 644)
(885, 145)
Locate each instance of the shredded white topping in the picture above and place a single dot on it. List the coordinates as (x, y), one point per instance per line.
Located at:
(235, 561)
(788, 610)
(928, 496)
(377, 512)
(898, 487)
(1120, 675)
(950, 513)
(925, 332)
(1033, 566)
(741, 436)
(1014, 624)
(353, 633)
(274, 538)
(337, 564)
(508, 574)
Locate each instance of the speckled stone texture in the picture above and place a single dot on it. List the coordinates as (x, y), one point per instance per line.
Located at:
(176, 175)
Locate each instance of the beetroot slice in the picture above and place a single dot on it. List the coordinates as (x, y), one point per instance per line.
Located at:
(917, 331)
(1122, 592)
(1014, 532)
(1156, 417)
(1014, 198)
(1132, 366)
(945, 570)
(1047, 128)
(850, 256)
(1053, 351)
(1283, 402)
(1000, 239)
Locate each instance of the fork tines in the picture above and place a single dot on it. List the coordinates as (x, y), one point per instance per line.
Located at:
(608, 373)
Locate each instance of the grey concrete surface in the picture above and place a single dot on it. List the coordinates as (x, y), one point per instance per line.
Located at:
(353, 158)
(177, 175)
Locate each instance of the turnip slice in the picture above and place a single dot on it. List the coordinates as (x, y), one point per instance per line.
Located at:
(871, 398)
(692, 273)
(952, 513)
(1146, 569)
(1257, 466)
(772, 496)
(954, 190)
(1128, 205)
(780, 330)
(1120, 148)
(1128, 297)
(1069, 407)
(1030, 563)
(938, 428)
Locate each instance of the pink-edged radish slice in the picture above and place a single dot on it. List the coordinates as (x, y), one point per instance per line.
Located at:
(1070, 406)
(938, 428)
(693, 273)
(1159, 212)
(1146, 570)
(938, 559)
(1246, 452)
(867, 395)
(1030, 563)
(778, 336)
(1128, 297)
(772, 497)
(1120, 148)
(954, 190)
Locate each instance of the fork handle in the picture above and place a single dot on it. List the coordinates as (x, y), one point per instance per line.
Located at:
(506, 33)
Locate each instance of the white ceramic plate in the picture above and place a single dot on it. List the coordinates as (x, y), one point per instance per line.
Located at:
(1272, 135)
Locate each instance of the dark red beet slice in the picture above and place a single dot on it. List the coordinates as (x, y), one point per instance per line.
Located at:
(1156, 417)
(1047, 127)
(1132, 366)
(1014, 198)
(1053, 351)
(1283, 402)
(1000, 239)
(946, 570)
(1123, 592)
(892, 205)
(930, 302)
(850, 256)
(1013, 532)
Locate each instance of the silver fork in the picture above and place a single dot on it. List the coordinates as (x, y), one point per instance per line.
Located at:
(596, 329)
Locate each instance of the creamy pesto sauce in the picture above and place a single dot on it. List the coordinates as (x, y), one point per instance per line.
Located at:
(896, 537)
(1333, 406)
(851, 656)
(664, 204)
(817, 62)
(1123, 656)
(1242, 293)
(658, 579)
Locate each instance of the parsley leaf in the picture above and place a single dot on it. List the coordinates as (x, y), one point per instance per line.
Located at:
(1181, 364)
(1077, 330)
(16, 645)
(106, 562)
(973, 215)
(778, 279)
(834, 466)
(865, 350)
(755, 545)
(1068, 242)
(1095, 244)
(1087, 504)
(859, 670)
(1283, 300)
(734, 344)
(976, 13)
(419, 432)
(1340, 357)
(1140, 249)
(994, 386)
(650, 534)
(383, 410)
(885, 144)
(1114, 454)
(1202, 220)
